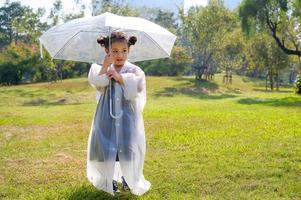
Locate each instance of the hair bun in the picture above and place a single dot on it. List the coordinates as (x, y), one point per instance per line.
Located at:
(132, 40)
(116, 37)
(102, 41)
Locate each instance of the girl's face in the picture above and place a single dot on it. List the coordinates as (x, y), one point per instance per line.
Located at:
(120, 52)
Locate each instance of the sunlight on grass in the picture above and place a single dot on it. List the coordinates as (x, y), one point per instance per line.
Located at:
(204, 140)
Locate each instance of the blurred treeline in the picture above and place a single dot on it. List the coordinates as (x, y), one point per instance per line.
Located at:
(259, 39)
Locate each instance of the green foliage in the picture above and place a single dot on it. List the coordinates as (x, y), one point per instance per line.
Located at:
(209, 39)
(167, 20)
(15, 63)
(57, 13)
(177, 64)
(264, 55)
(19, 56)
(255, 13)
(9, 73)
(231, 51)
(265, 58)
(203, 30)
(20, 23)
(119, 7)
(21, 63)
(279, 18)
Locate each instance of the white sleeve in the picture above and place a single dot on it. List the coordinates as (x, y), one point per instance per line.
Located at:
(134, 83)
(95, 80)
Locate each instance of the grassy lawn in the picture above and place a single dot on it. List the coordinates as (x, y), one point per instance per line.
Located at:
(205, 140)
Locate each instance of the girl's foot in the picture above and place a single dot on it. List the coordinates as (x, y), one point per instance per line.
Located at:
(115, 187)
(124, 184)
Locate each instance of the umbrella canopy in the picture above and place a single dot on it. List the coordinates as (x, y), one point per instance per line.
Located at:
(76, 40)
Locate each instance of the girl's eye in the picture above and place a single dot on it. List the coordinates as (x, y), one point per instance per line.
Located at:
(124, 51)
(115, 51)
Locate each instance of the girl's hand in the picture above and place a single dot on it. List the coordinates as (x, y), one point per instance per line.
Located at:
(112, 74)
(108, 60)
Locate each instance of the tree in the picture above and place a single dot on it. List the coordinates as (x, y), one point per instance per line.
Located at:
(80, 6)
(166, 19)
(119, 7)
(9, 14)
(231, 55)
(15, 63)
(179, 61)
(20, 60)
(20, 24)
(282, 19)
(63, 69)
(176, 65)
(265, 56)
(56, 13)
(204, 29)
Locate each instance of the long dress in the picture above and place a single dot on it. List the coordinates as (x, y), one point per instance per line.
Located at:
(123, 136)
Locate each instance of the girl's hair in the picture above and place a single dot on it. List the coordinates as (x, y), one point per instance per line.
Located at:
(116, 37)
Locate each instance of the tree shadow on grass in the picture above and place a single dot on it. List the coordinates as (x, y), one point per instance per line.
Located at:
(195, 88)
(43, 102)
(88, 192)
(285, 102)
(275, 91)
(27, 94)
(43, 97)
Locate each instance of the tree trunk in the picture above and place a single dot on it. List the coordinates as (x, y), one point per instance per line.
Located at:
(266, 82)
(199, 73)
(271, 81)
(277, 80)
(59, 72)
(273, 27)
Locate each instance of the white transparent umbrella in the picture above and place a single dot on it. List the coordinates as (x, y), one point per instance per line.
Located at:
(76, 39)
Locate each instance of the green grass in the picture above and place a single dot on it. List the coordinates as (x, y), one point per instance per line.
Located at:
(205, 140)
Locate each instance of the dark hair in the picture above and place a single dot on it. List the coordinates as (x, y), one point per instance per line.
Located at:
(116, 37)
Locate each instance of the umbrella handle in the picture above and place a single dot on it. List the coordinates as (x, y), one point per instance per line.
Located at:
(111, 103)
(111, 113)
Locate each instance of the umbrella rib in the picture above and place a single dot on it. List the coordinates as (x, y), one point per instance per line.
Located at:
(148, 38)
(134, 30)
(103, 30)
(155, 43)
(67, 43)
(98, 31)
(94, 31)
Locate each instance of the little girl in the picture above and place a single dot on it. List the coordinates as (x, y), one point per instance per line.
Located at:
(116, 144)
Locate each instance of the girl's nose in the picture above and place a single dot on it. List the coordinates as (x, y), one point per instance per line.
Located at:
(120, 54)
